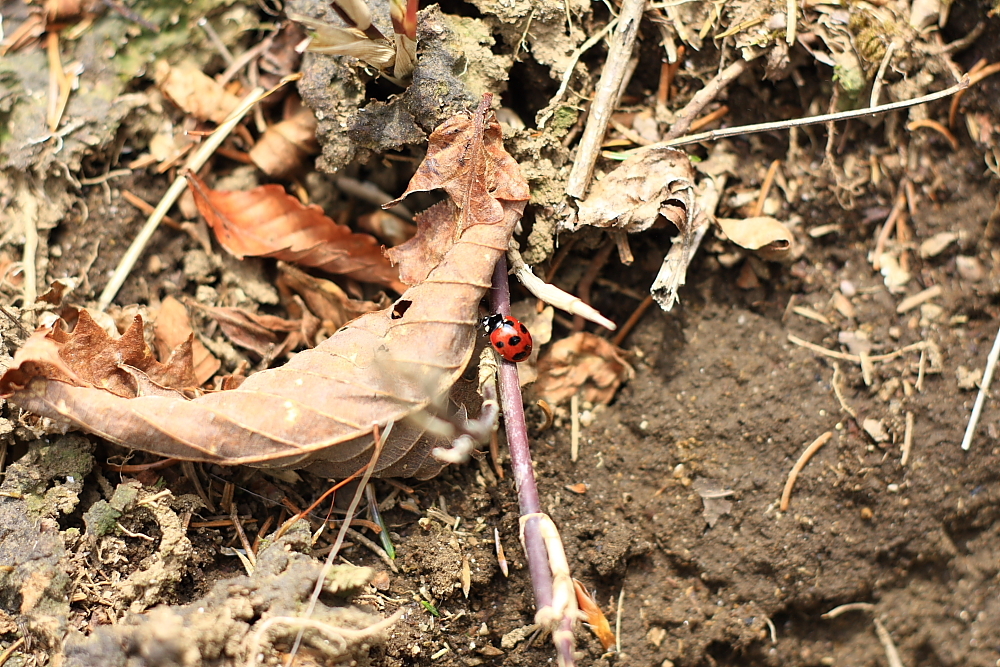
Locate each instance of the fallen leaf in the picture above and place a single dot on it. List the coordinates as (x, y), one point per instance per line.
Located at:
(318, 410)
(268, 222)
(253, 331)
(324, 298)
(194, 92)
(173, 327)
(387, 226)
(89, 357)
(582, 362)
(284, 148)
(644, 187)
(757, 232)
(594, 616)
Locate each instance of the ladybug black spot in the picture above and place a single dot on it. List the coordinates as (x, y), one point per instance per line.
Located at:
(522, 355)
(524, 329)
(515, 340)
(498, 344)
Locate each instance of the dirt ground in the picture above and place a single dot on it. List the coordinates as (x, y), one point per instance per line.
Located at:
(723, 400)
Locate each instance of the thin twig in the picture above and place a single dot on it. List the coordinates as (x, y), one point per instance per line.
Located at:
(889, 226)
(877, 86)
(984, 388)
(632, 320)
(891, 653)
(344, 527)
(574, 431)
(840, 396)
(907, 439)
(756, 128)
(701, 99)
(786, 494)
(605, 97)
(194, 163)
(765, 189)
(9, 651)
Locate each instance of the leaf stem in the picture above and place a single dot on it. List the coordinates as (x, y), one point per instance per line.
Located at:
(524, 475)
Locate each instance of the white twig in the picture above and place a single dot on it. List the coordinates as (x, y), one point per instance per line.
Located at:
(194, 163)
(984, 387)
(574, 411)
(798, 122)
(553, 295)
(891, 653)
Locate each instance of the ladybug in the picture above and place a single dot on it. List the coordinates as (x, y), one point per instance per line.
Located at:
(509, 337)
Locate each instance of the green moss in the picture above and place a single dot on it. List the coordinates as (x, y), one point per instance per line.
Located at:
(563, 119)
(101, 518)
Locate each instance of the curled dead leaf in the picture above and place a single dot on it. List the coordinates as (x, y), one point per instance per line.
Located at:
(268, 222)
(583, 362)
(635, 194)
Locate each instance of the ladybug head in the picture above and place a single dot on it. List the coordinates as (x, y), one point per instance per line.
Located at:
(491, 322)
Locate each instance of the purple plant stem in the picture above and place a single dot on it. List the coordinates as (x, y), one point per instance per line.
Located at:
(524, 474)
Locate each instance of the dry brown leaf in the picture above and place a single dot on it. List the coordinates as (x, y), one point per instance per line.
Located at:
(173, 327)
(253, 331)
(388, 227)
(318, 410)
(89, 357)
(268, 222)
(324, 298)
(194, 92)
(641, 189)
(757, 232)
(583, 362)
(286, 146)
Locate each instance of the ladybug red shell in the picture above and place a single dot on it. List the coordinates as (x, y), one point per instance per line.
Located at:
(509, 338)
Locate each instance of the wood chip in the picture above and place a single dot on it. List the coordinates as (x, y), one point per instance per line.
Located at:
(913, 301)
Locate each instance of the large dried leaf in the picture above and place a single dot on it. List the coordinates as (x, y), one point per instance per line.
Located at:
(641, 189)
(581, 363)
(268, 222)
(319, 409)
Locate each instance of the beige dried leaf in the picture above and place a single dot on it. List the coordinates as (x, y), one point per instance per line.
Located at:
(757, 232)
(648, 185)
(195, 92)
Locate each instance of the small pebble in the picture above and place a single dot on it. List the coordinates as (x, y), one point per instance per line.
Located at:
(847, 288)
(893, 488)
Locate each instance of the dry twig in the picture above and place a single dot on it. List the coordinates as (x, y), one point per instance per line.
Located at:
(194, 163)
(605, 97)
(786, 494)
(984, 388)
